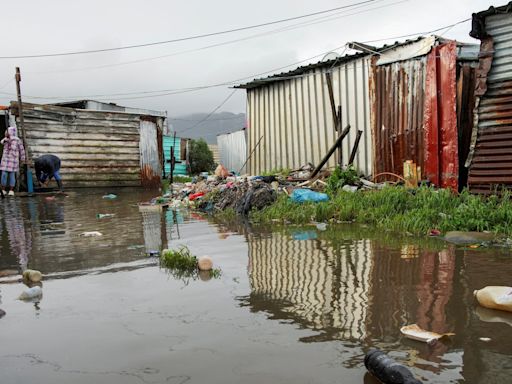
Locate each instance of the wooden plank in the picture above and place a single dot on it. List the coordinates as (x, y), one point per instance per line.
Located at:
(102, 156)
(100, 184)
(83, 143)
(66, 170)
(88, 163)
(78, 115)
(60, 135)
(91, 125)
(57, 150)
(100, 177)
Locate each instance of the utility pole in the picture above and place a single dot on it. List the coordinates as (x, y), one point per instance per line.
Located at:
(28, 174)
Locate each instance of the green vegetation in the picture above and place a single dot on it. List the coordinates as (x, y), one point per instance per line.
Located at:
(398, 209)
(182, 179)
(201, 157)
(341, 177)
(277, 171)
(181, 264)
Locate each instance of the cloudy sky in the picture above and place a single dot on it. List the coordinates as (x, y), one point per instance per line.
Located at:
(59, 26)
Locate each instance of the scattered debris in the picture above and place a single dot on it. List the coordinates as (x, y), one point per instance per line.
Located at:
(205, 263)
(414, 332)
(32, 276)
(307, 195)
(484, 339)
(321, 226)
(387, 370)
(434, 233)
(495, 297)
(110, 196)
(91, 234)
(468, 238)
(31, 293)
(105, 215)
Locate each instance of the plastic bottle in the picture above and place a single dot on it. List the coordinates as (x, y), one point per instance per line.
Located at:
(104, 215)
(32, 275)
(388, 370)
(495, 297)
(31, 293)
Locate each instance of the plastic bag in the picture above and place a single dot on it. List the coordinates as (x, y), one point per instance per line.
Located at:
(31, 293)
(307, 195)
(221, 171)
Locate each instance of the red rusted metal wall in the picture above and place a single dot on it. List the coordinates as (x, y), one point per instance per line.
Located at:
(440, 120)
(414, 103)
(397, 99)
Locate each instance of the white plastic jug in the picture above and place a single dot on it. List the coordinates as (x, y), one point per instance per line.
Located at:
(31, 293)
(495, 297)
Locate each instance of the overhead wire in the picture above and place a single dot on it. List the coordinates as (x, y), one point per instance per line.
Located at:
(319, 20)
(188, 38)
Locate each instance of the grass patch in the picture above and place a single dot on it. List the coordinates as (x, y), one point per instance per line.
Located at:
(399, 209)
(182, 265)
(277, 171)
(182, 179)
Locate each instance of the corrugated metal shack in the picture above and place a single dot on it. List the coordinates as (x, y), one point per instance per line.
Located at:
(233, 150)
(420, 93)
(490, 158)
(98, 148)
(289, 115)
(403, 97)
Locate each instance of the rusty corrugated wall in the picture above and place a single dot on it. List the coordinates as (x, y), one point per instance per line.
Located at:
(414, 115)
(490, 158)
(397, 108)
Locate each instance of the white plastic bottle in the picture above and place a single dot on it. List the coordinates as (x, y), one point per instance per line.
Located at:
(495, 297)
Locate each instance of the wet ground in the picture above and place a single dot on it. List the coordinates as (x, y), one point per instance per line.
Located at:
(293, 305)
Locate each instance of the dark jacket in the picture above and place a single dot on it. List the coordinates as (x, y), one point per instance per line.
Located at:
(48, 165)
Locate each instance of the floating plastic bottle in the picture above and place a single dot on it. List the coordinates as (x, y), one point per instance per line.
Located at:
(104, 215)
(495, 297)
(388, 370)
(31, 293)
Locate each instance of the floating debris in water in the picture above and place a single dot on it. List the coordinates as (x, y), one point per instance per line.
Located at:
(110, 196)
(91, 234)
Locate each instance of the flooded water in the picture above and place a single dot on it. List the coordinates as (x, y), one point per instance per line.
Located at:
(293, 305)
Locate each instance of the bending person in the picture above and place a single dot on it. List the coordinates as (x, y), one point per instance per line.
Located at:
(47, 167)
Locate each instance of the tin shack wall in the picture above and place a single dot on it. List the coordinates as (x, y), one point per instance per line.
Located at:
(490, 159)
(294, 121)
(414, 116)
(233, 150)
(97, 149)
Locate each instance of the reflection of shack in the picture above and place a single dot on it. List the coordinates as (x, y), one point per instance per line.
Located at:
(100, 144)
(153, 228)
(312, 284)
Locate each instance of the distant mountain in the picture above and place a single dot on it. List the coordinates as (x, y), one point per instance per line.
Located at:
(192, 126)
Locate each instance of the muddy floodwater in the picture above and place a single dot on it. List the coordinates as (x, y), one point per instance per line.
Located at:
(293, 305)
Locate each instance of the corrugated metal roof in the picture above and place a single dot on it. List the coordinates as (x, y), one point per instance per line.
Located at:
(466, 51)
(478, 28)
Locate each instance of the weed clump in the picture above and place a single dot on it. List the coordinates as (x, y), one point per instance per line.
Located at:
(182, 264)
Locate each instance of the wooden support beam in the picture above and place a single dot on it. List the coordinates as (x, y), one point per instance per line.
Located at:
(331, 151)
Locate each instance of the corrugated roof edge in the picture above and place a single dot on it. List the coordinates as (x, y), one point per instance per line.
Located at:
(334, 62)
(478, 30)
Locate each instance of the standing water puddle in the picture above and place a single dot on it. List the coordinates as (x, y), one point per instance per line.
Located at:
(292, 305)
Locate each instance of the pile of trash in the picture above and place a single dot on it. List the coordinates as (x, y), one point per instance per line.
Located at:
(224, 190)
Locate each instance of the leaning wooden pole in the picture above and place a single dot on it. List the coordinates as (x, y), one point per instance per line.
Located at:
(22, 127)
(354, 148)
(331, 151)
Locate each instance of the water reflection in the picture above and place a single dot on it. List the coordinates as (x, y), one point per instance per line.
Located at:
(361, 290)
(44, 232)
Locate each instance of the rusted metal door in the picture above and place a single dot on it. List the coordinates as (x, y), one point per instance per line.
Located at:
(149, 160)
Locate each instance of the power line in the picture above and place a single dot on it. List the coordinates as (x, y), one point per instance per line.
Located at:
(194, 37)
(210, 114)
(168, 92)
(319, 20)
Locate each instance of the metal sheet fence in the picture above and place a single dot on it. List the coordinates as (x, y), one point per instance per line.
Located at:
(294, 121)
(491, 158)
(233, 150)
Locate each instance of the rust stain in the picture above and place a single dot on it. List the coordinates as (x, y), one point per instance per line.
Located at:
(148, 178)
